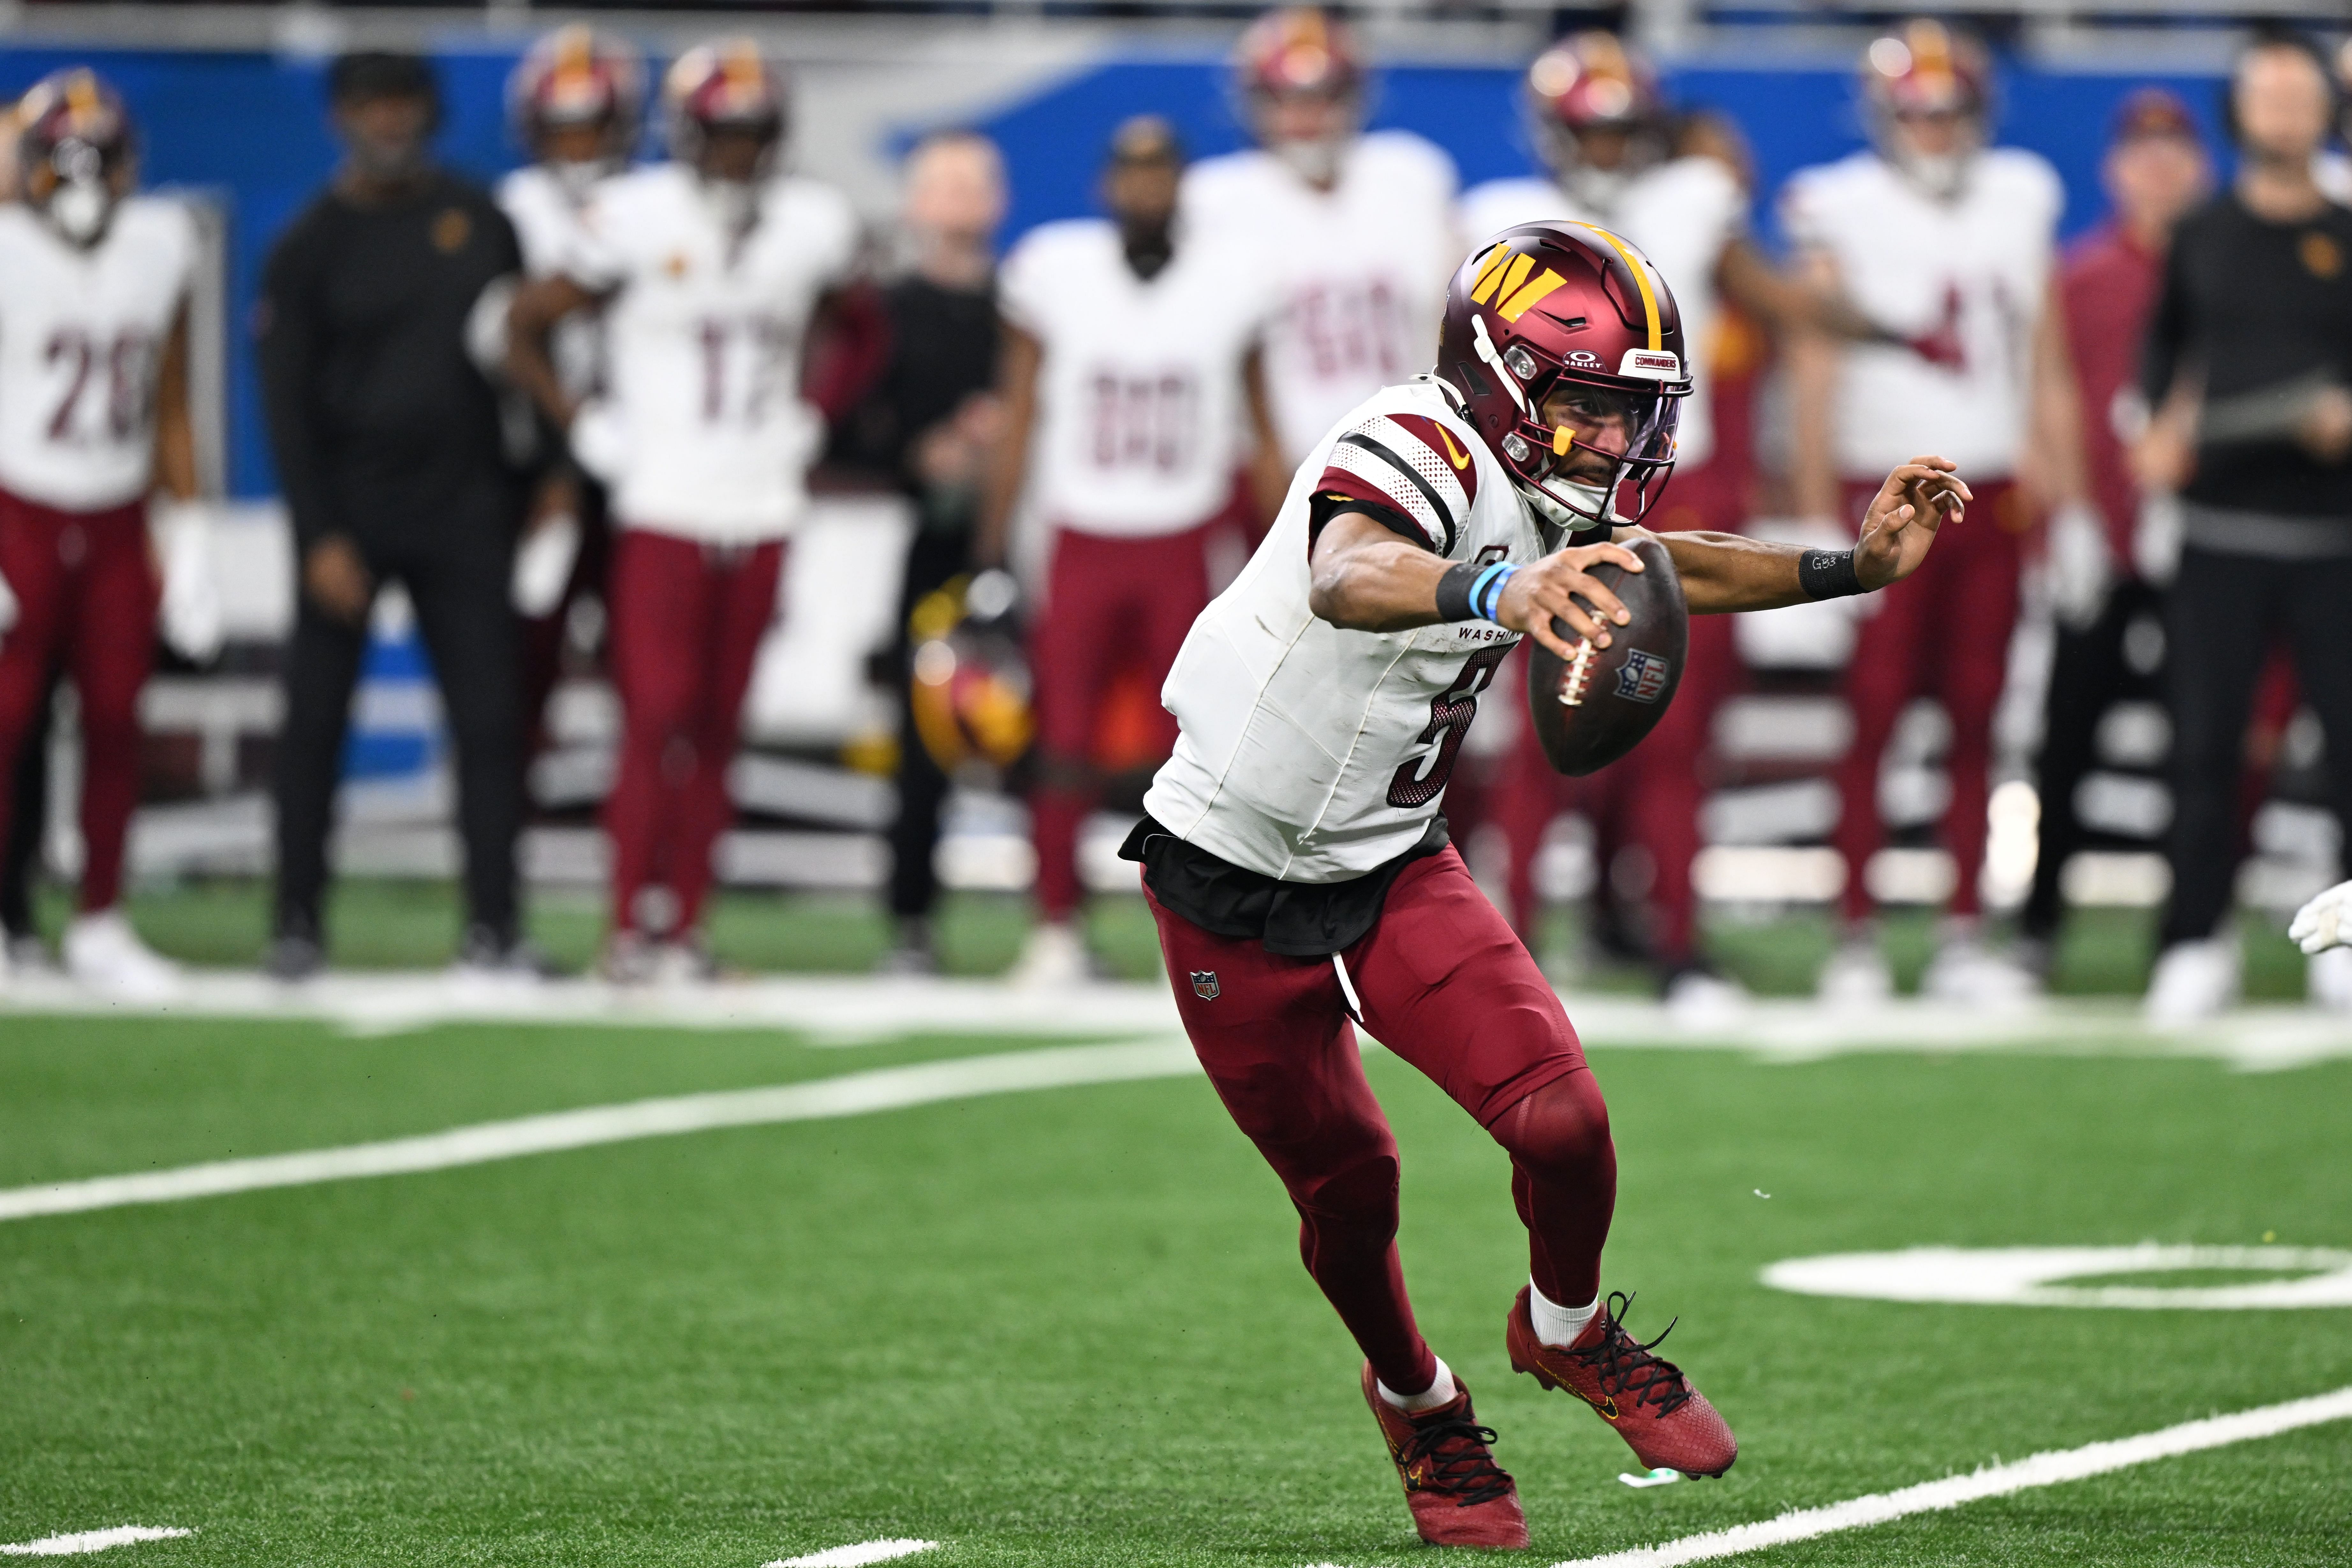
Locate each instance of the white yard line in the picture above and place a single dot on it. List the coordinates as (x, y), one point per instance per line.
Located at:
(857, 1556)
(91, 1541)
(853, 1094)
(2041, 1470)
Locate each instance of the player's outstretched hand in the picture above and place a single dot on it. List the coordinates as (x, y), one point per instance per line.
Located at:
(1900, 527)
(2326, 922)
(1561, 584)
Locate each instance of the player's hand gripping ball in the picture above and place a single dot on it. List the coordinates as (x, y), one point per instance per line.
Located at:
(1593, 707)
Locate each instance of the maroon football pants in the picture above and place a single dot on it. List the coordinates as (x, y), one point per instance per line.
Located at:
(1943, 632)
(86, 602)
(688, 620)
(1112, 603)
(1442, 983)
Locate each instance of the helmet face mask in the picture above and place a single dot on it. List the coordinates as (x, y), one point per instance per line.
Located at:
(1563, 346)
(78, 153)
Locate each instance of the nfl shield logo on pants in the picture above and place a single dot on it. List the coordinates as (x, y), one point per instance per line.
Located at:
(1204, 985)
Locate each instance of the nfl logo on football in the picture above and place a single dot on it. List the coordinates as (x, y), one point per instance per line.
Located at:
(1204, 985)
(1644, 675)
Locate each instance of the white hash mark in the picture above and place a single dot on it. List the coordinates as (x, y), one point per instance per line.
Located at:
(857, 1556)
(1999, 1480)
(91, 1541)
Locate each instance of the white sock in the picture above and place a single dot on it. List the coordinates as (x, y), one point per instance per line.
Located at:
(1556, 1325)
(1440, 1392)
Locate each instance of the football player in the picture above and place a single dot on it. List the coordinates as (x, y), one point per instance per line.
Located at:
(1946, 243)
(1355, 229)
(576, 98)
(1299, 871)
(93, 417)
(709, 269)
(1131, 370)
(1604, 130)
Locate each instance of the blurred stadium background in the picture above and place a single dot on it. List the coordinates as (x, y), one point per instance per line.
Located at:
(231, 95)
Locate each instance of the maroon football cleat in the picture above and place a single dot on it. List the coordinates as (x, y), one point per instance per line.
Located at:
(1668, 1423)
(1458, 1495)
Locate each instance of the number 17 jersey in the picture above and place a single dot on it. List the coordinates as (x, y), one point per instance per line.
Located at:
(1312, 754)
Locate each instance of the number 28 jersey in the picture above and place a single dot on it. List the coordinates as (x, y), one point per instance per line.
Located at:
(704, 434)
(82, 343)
(1311, 753)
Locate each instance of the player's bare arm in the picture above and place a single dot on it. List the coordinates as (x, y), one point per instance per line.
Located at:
(1725, 572)
(1018, 363)
(175, 435)
(1269, 474)
(1366, 578)
(531, 319)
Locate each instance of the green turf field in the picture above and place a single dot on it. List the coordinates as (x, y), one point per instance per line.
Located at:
(1068, 1326)
(412, 924)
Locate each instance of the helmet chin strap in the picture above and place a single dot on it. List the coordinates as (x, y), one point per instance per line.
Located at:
(1493, 359)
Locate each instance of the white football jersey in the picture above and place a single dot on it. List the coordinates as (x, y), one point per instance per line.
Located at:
(708, 436)
(1312, 754)
(1973, 270)
(1680, 215)
(1359, 272)
(1140, 403)
(82, 342)
(546, 217)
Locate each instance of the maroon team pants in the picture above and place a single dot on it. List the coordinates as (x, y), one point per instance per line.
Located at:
(86, 601)
(1943, 633)
(1442, 983)
(1112, 603)
(688, 619)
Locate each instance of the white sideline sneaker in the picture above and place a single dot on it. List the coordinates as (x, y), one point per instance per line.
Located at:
(2194, 981)
(2327, 979)
(1054, 958)
(104, 953)
(1696, 999)
(1968, 973)
(1855, 976)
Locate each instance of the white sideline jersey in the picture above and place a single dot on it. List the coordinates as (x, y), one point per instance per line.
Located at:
(1680, 215)
(1975, 268)
(81, 346)
(708, 437)
(1359, 272)
(1140, 401)
(546, 215)
(1315, 754)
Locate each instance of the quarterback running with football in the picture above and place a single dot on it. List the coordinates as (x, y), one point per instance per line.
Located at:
(1297, 867)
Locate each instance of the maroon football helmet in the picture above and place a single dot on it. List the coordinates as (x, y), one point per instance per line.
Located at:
(723, 86)
(577, 76)
(76, 150)
(1562, 344)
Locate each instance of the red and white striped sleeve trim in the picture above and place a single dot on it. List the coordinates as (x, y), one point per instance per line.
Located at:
(1410, 464)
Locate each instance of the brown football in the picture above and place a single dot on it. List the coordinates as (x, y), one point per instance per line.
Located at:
(1593, 709)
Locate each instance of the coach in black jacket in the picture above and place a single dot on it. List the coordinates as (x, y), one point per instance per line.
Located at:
(387, 442)
(2249, 365)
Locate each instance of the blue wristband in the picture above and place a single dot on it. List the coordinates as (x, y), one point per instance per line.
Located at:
(1486, 590)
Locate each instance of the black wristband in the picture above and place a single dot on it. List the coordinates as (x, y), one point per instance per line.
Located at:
(1454, 592)
(1827, 575)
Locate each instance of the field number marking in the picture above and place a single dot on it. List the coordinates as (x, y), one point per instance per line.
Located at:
(1999, 1481)
(857, 1556)
(2035, 1275)
(91, 1541)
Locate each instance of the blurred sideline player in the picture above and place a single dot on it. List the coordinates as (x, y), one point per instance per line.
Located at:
(2101, 579)
(93, 416)
(1297, 867)
(1355, 228)
(1131, 377)
(1947, 244)
(709, 269)
(577, 99)
(2245, 364)
(2333, 168)
(926, 416)
(1603, 129)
